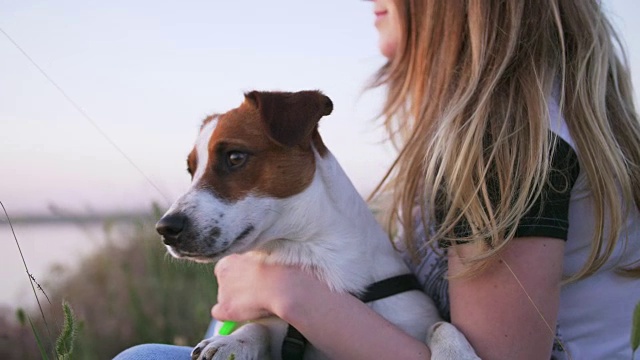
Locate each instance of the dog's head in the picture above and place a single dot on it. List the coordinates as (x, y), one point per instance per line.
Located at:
(244, 164)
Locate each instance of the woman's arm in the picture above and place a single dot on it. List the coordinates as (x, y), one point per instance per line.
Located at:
(338, 324)
(492, 309)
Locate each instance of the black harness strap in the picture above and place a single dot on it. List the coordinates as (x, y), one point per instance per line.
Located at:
(389, 287)
(294, 342)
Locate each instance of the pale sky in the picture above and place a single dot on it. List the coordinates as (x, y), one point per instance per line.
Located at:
(147, 73)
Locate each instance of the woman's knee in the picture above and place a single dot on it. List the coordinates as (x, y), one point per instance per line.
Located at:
(155, 351)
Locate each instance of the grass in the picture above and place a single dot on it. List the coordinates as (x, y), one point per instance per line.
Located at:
(128, 292)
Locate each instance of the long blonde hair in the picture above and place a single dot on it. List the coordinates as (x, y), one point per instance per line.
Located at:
(467, 101)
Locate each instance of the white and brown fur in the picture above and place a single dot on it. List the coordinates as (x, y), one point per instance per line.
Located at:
(264, 182)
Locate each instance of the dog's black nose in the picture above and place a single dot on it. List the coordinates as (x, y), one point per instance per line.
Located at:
(170, 226)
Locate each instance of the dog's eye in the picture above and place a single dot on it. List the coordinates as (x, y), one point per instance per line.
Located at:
(236, 159)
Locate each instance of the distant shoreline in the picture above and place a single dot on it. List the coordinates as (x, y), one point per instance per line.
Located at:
(64, 219)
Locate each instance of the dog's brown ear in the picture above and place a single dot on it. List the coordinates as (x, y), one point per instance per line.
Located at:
(290, 118)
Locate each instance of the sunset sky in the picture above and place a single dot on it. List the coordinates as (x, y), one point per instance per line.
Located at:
(147, 72)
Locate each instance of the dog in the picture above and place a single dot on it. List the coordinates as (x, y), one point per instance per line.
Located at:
(264, 182)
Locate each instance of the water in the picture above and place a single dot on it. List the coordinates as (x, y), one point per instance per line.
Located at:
(45, 247)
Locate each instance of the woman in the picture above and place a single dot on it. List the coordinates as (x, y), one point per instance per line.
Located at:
(519, 152)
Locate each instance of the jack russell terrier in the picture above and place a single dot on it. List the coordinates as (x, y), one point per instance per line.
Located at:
(263, 181)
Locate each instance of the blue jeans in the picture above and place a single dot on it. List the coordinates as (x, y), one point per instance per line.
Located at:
(161, 351)
(155, 352)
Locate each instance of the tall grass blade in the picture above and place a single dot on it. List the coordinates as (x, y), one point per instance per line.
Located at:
(21, 315)
(635, 330)
(43, 353)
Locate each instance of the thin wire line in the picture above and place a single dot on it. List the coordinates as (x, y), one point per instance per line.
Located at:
(86, 116)
(537, 309)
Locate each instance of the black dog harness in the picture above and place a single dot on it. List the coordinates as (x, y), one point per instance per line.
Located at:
(294, 342)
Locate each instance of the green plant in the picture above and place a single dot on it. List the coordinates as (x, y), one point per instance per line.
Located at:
(64, 344)
(66, 338)
(635, 331)
(128, 292)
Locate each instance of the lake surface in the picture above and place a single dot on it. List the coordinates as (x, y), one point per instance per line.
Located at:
(44, 247)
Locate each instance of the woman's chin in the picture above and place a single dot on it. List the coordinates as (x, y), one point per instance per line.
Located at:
(387, 48)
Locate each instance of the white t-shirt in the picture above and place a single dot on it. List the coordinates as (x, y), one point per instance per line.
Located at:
(595, 314)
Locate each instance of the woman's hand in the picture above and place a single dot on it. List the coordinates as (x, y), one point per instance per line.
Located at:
(249, 289)
(240, 296)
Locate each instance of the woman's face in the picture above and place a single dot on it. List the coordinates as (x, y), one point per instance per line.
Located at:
(388, 25)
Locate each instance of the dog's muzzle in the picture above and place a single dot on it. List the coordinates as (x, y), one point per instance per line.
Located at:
(170, 227)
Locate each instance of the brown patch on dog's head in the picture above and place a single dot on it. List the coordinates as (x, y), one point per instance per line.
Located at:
(291, 118)
(264, 147)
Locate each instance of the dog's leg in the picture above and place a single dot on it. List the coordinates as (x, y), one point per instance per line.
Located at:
(447, 343)
(248, 342)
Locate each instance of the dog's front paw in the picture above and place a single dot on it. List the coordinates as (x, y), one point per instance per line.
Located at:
(447, 342)
(227, 348)
(250, 342)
